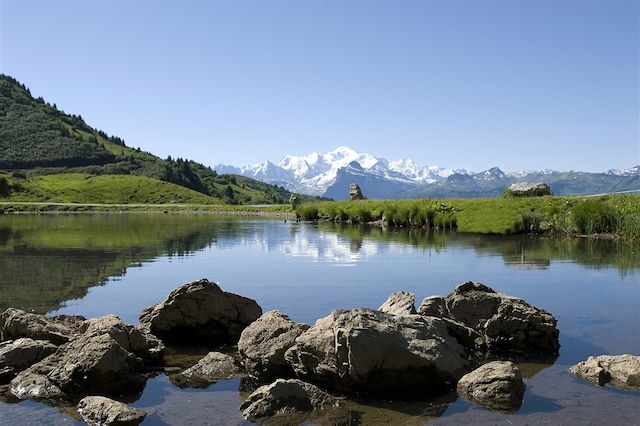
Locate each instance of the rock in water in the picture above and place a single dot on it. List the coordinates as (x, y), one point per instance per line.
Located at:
(400, 303)
(526, 189)
(507, 324)
(16, 355)
(497, 385)
(15, 323)
(263, 344)
(363, 349)
(101, 411)
(213, 367)
(200, 313)
(355, 193)
(285, 396)
(93, 363)
(621, 371)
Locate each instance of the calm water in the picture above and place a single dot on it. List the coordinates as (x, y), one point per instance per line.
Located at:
(97, 264)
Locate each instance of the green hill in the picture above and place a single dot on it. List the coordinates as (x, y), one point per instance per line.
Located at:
(99, 189)
(36, 139)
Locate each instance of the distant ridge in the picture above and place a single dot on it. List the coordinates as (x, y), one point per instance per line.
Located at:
(330, 174)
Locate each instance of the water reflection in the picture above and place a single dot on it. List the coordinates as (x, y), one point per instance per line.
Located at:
(46, 260)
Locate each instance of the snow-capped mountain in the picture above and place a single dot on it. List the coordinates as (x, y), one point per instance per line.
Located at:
(315, 172)
(331, 173)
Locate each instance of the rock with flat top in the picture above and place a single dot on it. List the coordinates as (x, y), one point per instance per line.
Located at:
(101, 411)
(200, 313)
(621, 371)
(497, 385)
(212, 367)
(526, 189)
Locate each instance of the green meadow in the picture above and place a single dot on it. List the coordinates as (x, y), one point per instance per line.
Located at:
(618, 215)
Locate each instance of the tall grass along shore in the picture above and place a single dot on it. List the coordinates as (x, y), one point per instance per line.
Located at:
(615, 216)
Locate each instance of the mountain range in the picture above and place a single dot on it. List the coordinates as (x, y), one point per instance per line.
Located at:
(330, 174)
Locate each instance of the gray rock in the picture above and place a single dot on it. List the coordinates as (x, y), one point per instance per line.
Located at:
(497, 385)
(200, 312)
(212, 367)
(355, 193)
(262, 345)
(400, 303)
(285, 396)
(101, 411)
(140, 342)
(16, 355)
(434, 306)
(93, 363)
(15, 324)
(525, 189)
(507, 324)
(363, 349)
(621, 371)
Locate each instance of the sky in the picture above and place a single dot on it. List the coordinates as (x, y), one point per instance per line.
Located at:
(519, 84)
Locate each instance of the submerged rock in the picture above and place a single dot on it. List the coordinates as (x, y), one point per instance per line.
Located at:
(400, 303)
(212, 367)
(506, 323)
(621, 371)
(285, 396)
(497, 385)
(200, 313)
(101, 411)
(94, 363)
(262, 345)
(16, 355)
(15, 324)
(363, 349)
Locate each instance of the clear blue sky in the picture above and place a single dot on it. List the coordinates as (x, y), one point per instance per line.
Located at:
(522, 84)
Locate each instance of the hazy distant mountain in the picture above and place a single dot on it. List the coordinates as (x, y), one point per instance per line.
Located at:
(331, 174)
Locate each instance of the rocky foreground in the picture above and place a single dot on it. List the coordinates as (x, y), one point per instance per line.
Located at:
(439, 347)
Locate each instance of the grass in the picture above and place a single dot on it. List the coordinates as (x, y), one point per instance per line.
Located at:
(113, 189)
(618, 215)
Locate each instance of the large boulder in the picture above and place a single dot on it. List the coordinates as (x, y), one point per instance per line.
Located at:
(16, 355)
(15, 324)
(526, 189)
(200, 313)
(621, 371)
(262, 345)
(212, 367)
(355, 193)
(93, 363)
(497, 385)
(101, 411)
(400, 303)
(285, 396)
(363, 349)
(507, 324)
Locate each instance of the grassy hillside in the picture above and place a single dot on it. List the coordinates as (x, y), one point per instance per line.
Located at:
(618, 215)
(38, 139)
(85, 188)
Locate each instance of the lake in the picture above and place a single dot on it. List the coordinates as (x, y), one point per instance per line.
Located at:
(97, 264)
